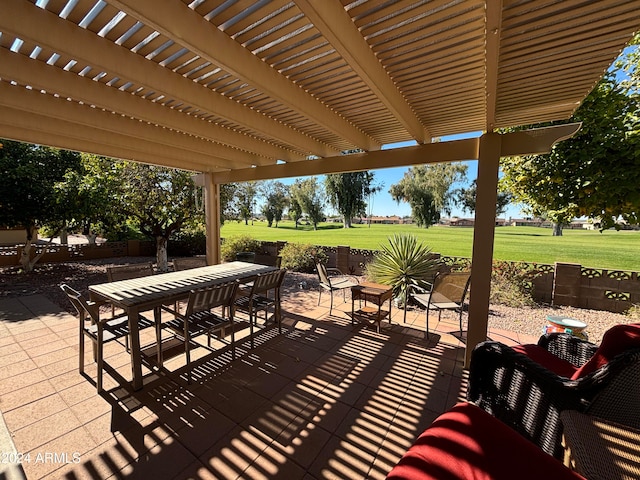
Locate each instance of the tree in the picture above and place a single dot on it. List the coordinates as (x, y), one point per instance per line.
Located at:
(28, 199)
(594, 174)
(276, 200)
(227, 206)
(427, 188)
(308, 195)
(295, 210)
(89, 196)
(347, 193)
(466, 198)
(160, 199)
(246, 193)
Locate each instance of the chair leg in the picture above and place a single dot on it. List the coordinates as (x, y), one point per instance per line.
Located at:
(233, 340)
(158, 319)
(81, 349)
(279, 315)
(427, 322)
(187, 352)
(100, 364)
(251, 329)
(331, 303)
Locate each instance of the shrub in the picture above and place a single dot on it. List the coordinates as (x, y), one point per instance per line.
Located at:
(299, 257)
(634, 312)
(240, 243)
(405, 264)
(188, 241)
(512, 284)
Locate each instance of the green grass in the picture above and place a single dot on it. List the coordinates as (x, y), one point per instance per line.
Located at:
(610, 249)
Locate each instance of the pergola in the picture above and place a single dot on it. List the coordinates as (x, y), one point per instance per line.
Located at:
(255, 89)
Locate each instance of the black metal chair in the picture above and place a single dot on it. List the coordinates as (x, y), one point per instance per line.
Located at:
(522, 387)
(332, 279)
(449, 292)
(101, 331)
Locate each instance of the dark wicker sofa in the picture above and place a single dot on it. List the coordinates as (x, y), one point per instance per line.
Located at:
(527, 387)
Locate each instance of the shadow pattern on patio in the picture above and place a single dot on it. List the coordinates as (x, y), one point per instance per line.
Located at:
(325, 399)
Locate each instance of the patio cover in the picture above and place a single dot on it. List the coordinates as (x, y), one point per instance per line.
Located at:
(255, 89)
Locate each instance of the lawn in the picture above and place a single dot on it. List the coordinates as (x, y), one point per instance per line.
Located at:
(610, 249)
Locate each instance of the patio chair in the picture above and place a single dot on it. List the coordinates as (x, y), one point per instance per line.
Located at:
(528, 386)
(258, 299)
(449, 292)
(269, 260)
(99, 330)
(466, 442)
(127, 272)
(200, 319)
(189, 262)
(604, 442)
(332, 279)
(249, 257)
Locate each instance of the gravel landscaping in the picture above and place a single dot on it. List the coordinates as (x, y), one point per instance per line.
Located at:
(47, 277)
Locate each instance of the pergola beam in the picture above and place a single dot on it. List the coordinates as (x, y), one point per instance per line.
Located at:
(52, 79)
(492, 55)
(58, 109)
(28, 22)
(178, 22)
(332, 19)
(30, 127)
(458, 150)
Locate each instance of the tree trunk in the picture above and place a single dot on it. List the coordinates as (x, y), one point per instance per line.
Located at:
(161, 253)
(64, 236)
(25, 257)
(347, 222)
(557, 229)
(91, 238)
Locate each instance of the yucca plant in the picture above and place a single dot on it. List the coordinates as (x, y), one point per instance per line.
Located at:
(404, 264)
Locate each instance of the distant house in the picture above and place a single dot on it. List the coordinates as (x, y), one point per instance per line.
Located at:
(461, 222)
(389, 220)
(467, 222)
(525, 222)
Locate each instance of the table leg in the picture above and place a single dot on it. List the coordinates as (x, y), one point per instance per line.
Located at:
(136, 361)
(352, 308)
(157, 317)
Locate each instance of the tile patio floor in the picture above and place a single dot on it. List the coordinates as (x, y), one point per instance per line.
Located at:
(323, 400)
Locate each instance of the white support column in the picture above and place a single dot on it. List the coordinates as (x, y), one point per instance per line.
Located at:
(212, 216)
(483, 232)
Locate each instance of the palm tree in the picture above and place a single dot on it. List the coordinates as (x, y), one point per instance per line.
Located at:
(405, 265)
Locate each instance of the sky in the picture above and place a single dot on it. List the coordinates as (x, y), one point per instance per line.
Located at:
(384, 205)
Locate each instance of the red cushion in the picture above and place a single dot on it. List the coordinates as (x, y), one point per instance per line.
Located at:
(548, 360)
(467, 443)
(615, 341)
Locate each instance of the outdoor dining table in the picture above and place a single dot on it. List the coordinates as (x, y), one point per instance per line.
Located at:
(153, 291)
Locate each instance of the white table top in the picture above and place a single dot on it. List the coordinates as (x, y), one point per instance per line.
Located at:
(171, 286)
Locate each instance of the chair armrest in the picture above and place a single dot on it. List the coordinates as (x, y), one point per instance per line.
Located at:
(568, 347)
(525, 395)
(419, 290)
(336, 272)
